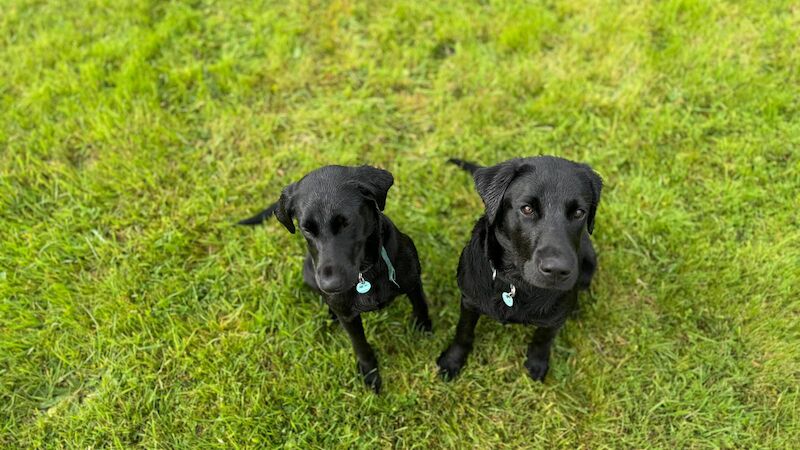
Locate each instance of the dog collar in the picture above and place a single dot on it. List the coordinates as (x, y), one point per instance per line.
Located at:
(364, 286)
(508, 297)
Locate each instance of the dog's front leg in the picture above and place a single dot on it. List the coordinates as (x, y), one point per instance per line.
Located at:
(365, 356)
(538, 361)
(453, 359)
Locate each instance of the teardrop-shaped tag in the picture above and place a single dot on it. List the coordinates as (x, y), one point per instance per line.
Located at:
(363, 287)
(508, 299)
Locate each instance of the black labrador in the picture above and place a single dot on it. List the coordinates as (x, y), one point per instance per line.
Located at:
(529, 254)
(357, 258)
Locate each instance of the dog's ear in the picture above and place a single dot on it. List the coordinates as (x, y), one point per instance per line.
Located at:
(286, 204)
(596, 185)
(374, 184)
(492, 182)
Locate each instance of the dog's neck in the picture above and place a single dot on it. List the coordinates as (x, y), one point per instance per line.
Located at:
(372, 250)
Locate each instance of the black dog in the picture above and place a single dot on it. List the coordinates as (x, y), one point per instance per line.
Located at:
(356, 258)
(529, 254)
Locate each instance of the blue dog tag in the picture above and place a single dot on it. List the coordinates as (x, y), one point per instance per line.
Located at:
(508, 299)
(363, 285)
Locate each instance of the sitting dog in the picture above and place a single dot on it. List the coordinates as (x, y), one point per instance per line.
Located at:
(357, 258)
(529, 254)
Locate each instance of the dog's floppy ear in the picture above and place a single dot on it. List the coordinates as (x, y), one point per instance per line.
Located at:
(374, 184)
(492, 182)
(596, 185)
(285, 211)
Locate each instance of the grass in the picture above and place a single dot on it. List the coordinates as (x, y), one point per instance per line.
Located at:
(134, 133)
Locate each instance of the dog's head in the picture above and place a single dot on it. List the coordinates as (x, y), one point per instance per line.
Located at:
(538, 209)
(337, 209)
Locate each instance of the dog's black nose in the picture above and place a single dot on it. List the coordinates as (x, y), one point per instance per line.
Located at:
(331, 280)
(555, 268)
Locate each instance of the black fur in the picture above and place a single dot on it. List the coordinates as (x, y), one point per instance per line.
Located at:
(539, 213)
(339, 211)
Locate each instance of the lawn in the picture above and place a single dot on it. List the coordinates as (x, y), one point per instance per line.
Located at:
(133, 134)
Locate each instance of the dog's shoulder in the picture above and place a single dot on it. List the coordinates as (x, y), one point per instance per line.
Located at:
(397, 242)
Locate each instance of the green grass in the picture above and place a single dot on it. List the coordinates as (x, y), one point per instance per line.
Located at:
(134, 133)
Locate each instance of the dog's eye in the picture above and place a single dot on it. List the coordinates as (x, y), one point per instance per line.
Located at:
(339, 223)
(309, 228)
(526, 210)
(578, 214)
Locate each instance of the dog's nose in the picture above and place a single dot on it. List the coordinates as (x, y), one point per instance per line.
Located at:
(555, 268)
(331, 280)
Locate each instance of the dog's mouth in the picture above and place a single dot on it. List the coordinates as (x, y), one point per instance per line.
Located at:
(552, 285)
(338, 291)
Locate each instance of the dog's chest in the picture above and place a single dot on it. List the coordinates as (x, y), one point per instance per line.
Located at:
(375, 299)
(527, 308)
(379, 296)
(519, 312)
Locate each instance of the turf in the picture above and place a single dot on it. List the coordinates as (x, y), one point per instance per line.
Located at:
(133, 134)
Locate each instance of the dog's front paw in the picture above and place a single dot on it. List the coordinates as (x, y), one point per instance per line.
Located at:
(423, 324)
(372, 376)
(451, 361)
(537, 368)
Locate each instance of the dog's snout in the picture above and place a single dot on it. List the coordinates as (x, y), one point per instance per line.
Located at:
(331, 280)
(555, 268)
